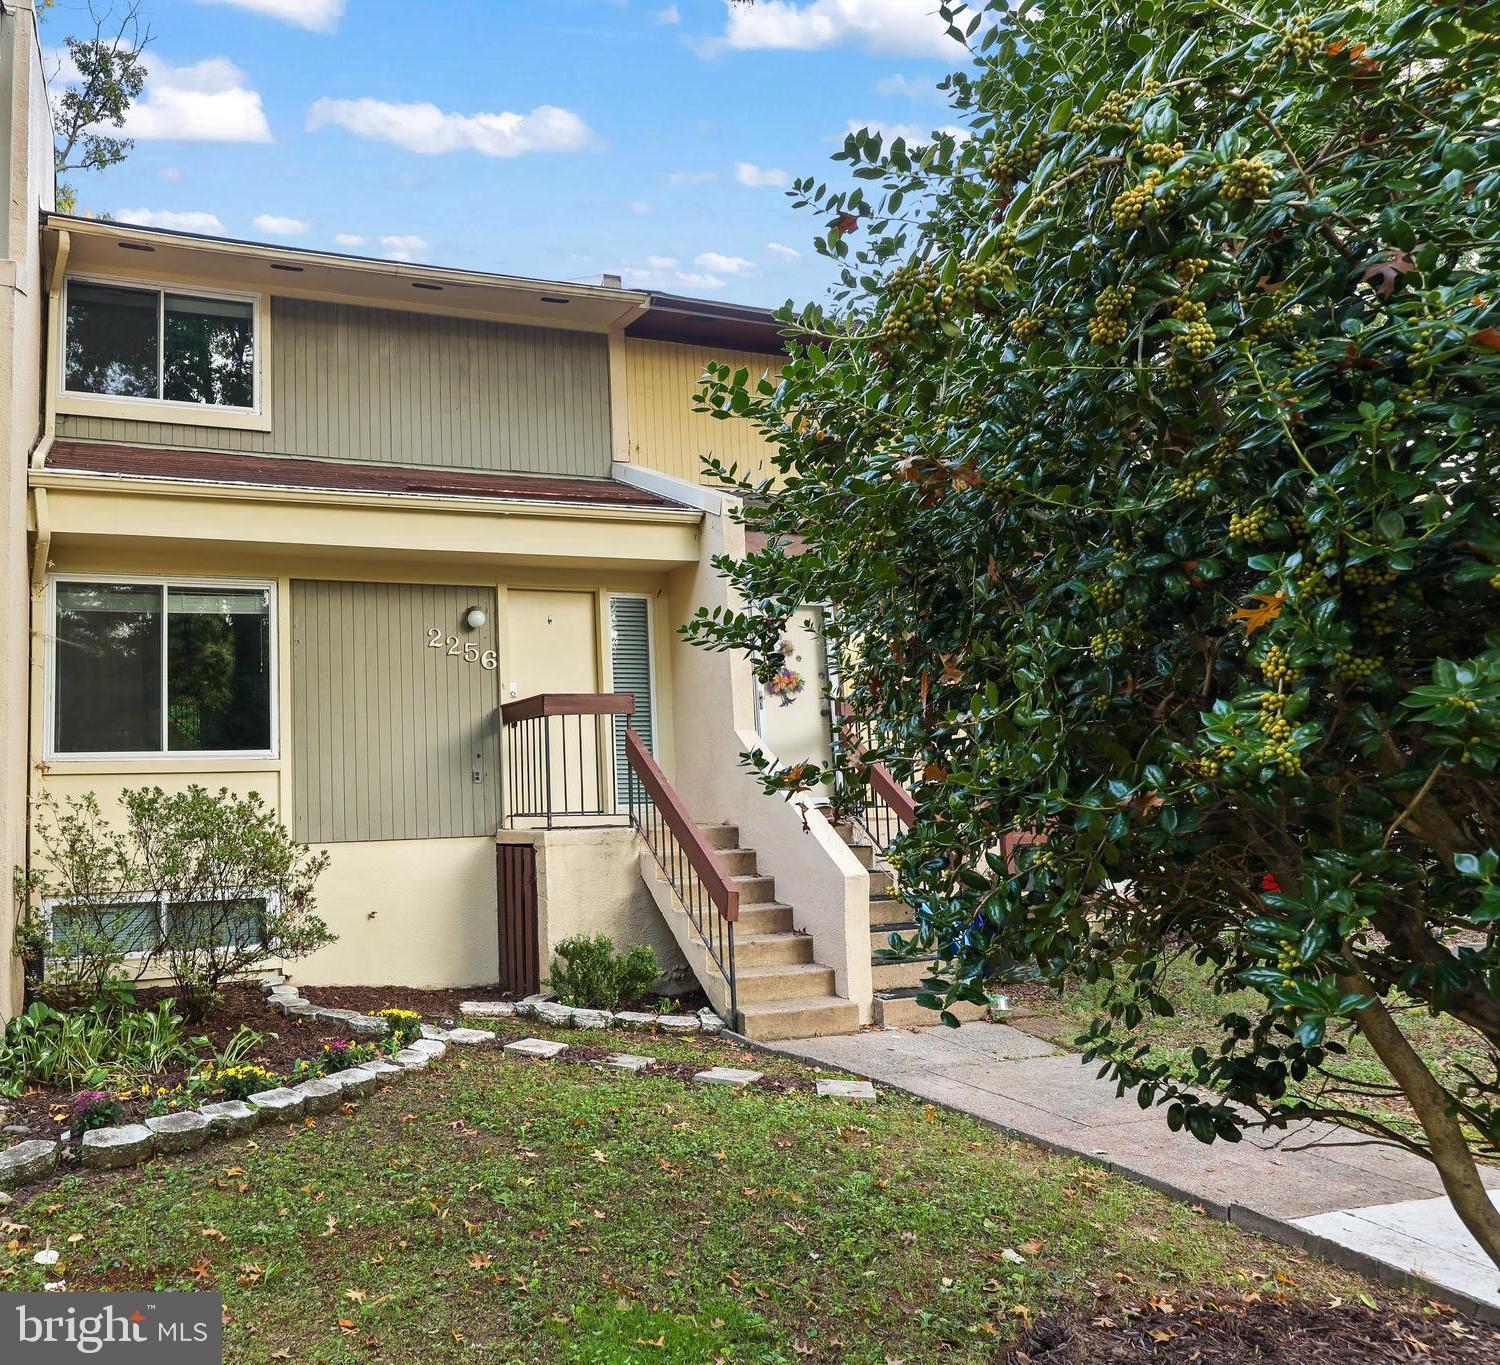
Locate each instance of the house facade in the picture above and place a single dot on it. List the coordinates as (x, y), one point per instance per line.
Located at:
(405, 551)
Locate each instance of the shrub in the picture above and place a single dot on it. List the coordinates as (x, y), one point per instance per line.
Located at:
(402, 1026)
(92, 1109)
(589, 973)
(205, 885)
(1149, 463)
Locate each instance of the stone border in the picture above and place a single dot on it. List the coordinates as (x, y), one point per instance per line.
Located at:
(547, 1010)
(184, 1130)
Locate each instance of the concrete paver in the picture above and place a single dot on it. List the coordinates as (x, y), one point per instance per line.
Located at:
(1314, 1184)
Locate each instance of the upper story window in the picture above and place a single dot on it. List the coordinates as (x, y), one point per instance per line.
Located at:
(127, 341)
(175, 669)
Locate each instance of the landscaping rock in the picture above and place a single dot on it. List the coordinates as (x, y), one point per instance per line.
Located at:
(550, 1012)
(591, 1018)
(277, 1103)
(383, 1070)
(536, 1047)
(106, 1149)
(727, 1075)
(635, 1019)
(430, 1046)
(625, 1061)
(320, 1096)
(527, 1008)
(356, 1080)
(470, 1037)
(230, 1118)
(367, 1026)
(710, 1022)
(846, 1090)
(432, 1033)
(179, 1132)
(488, 1009)
(15, 1129)
(678, 1023)
(296, 1008)
(26, 1163)
(410, 1059)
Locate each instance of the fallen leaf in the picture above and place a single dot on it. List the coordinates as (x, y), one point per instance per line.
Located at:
(1488, 337)
(1257, 617)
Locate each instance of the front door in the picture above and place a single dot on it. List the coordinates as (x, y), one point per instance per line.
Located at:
(553, 646)
(792, 713)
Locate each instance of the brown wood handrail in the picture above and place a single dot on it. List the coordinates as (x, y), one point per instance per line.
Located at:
(883, 781)
(705, 862)
(567, 704)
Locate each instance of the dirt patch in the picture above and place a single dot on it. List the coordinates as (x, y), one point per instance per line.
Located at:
(1265, 1333)
(435, 1006)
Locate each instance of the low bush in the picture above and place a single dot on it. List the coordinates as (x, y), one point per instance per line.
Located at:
(91, 1047)
(589, 973)
(404, 1026)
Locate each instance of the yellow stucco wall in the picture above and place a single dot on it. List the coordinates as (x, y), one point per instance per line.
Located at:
(664, 431)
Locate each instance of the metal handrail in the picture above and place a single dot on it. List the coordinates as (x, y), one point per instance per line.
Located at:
(887, 807)
(702, 884)
(545, 752)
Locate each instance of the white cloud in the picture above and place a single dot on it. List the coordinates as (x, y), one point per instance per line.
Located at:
(662, 262)
(640, 206)
(403, 248)
(278, 226)
(208, 101)
(668, 15)
(170, 174)
(661, 272)
(692, 177)
(349, 239)
(168, 218)
(725, 265)
(759, 177)
(322, 16)
(426, 129)
(787, 253)
(909, 132)
(905, 85)
(694, 281)
(887, 28)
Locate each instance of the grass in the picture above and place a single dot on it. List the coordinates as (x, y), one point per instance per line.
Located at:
(1444, 1044)
(491, 1209)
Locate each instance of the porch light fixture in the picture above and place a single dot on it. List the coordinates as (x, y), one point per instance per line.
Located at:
(475, 617)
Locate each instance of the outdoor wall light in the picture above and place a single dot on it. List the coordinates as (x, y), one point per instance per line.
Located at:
(474, 618)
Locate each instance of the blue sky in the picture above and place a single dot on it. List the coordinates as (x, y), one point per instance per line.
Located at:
(557, 138)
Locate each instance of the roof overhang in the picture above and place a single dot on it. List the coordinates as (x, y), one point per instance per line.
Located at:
(707, 322)
(96, 246)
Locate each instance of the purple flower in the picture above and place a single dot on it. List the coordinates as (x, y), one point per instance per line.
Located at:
(87, 1099)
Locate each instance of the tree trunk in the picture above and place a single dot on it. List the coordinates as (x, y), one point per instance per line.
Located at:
(1450, 1152)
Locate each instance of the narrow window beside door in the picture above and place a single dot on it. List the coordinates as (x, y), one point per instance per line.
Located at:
(630, 671)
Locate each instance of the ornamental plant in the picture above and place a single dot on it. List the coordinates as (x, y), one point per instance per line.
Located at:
(90, 1109)
(402, 1026)
(1146, 450)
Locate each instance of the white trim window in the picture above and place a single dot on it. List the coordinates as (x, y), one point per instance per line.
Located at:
(140, 927)
(170, 668)
(128, 342)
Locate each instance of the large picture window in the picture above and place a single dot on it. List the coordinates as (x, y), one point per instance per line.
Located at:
(161, 668)
(129, 341)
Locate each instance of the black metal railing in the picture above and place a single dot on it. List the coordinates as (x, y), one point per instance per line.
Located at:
(871, 795)
(692, 868)
(559, 754)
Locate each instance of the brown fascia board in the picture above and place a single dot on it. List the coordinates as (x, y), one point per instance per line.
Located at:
(708, 322)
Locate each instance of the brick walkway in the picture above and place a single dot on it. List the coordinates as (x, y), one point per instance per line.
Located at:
(1376, 1208)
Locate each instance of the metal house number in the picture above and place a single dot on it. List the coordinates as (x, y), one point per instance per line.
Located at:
(468, 651)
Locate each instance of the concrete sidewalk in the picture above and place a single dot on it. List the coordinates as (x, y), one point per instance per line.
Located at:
(1377, 1209)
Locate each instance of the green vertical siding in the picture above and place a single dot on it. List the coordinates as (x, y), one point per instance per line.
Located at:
(385, 729)
(348, 383)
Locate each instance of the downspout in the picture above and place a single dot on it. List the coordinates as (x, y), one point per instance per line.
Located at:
(49, 390)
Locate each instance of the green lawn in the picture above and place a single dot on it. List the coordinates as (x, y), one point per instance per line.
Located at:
(491, 1209)
(1445, 1045)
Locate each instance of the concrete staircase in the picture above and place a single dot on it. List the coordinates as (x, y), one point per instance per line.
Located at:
(783, 992)
(896, 984)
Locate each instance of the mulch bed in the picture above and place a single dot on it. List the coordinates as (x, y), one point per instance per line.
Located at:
(1265, 1333)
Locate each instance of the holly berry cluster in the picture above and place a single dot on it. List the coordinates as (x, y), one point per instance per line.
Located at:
(1247, 178)
(1108, 326)
(1250, 526)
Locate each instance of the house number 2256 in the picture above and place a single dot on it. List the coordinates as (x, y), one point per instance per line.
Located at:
(467, 651)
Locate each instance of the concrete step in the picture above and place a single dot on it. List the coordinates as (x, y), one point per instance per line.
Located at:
(882, 882)
(809, 1017)
(895, 976)
(721, 836)
(888, 910)
(791, 981)
(753, 887)
(864, 852)
(880, 938)
(899, 1009)
(737, 861)
(770, 950)
(763, 917)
